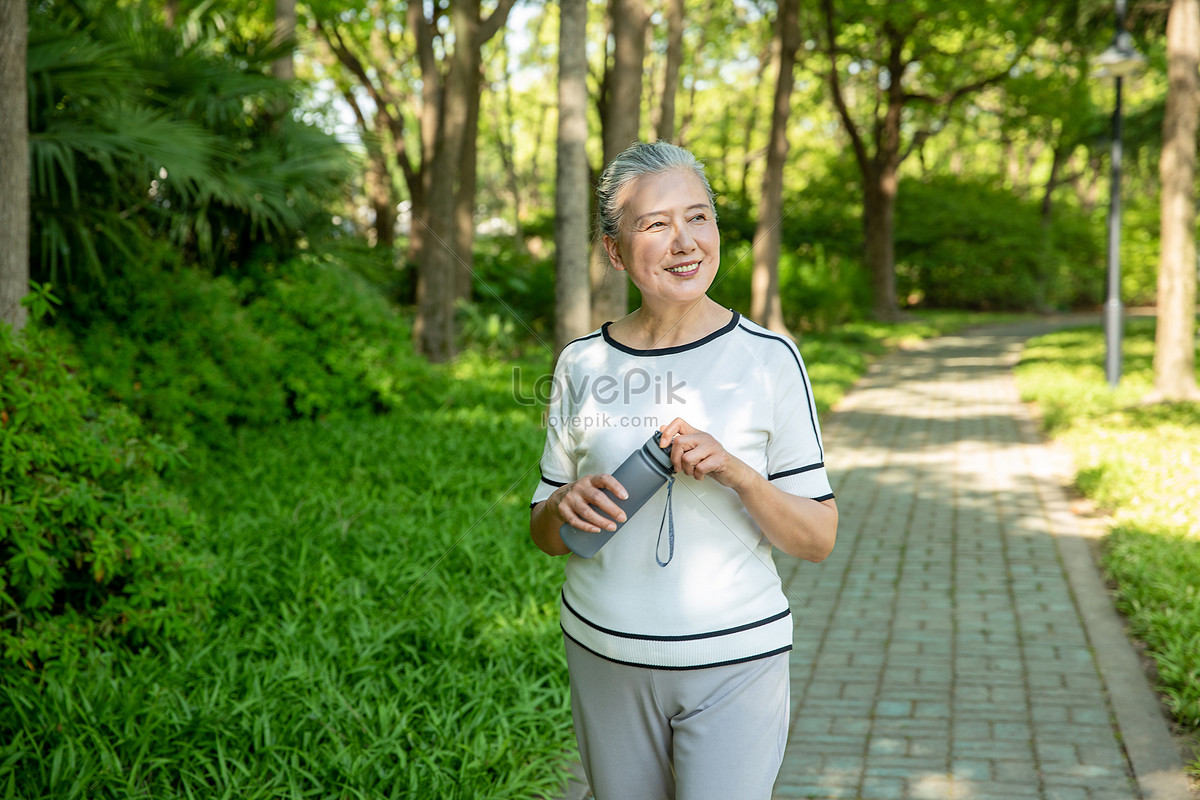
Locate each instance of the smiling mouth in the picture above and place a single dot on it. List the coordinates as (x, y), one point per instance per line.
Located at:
(684, 269)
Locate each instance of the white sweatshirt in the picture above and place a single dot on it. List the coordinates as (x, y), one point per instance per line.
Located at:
(718, 600)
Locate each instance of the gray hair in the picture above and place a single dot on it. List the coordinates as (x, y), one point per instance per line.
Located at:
(640, 158)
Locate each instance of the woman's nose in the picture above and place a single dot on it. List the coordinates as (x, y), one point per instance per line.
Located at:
(682, 240)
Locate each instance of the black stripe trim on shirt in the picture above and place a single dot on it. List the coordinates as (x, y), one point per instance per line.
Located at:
(666, 351)
(548, 482)
(796, 471)
(729, 663)
(824, 497)
(791, 348)
(591, 335)
(690, 637)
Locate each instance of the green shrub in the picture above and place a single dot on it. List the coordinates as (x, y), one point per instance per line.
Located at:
(1141, 223)
(967, 244)
(198, 357)
(92, 546)
(341, 346)
(822, 281)
(512, 298)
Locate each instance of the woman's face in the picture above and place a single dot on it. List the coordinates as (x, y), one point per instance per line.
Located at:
(669, 242)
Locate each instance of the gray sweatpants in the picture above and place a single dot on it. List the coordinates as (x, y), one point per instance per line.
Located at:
(705, 734)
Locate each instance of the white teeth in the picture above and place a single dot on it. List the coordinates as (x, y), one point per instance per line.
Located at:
(683, 268)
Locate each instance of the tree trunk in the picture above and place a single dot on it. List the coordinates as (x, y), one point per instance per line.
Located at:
(439, 262)
(622, 123)
(749, 155)
(1175, 346)
(506, 150)
(879, 228)
(670, 86)
(1045, 265)
(285, 30)
(378, 186)
(572, 290)
(464, 201)
(765, 306)
(449, 131)
(14, 163)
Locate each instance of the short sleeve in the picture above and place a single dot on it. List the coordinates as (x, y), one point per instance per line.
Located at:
(557, 465)
(795, 453)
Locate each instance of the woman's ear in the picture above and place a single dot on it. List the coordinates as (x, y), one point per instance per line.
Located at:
(614, 251)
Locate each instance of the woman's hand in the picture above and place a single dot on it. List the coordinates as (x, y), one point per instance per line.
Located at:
(696, 454)
(798, 526)
(578, 504)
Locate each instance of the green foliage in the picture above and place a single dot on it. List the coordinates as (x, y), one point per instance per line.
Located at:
(384, 627)
(1140, 463)
(139, 133)
(513, 297)
(93, 547)
(822, 281)
(1140, 226)
(198, 357)
(966, 244)
(1157, 571)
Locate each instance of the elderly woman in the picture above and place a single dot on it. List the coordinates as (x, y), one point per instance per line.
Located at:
(678, 649)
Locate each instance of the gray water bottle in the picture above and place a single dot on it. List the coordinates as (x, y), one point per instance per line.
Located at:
(642, 474)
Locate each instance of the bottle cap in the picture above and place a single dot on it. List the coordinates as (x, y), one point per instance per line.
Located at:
(662, 455)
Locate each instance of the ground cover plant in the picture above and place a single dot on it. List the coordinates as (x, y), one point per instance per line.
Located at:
(381, 627)
(95, 551)
(1141, 463)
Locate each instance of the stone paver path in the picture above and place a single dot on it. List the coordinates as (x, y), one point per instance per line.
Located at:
(940, 652)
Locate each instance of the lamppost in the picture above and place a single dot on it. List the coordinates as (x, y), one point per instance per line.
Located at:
(1119, 61)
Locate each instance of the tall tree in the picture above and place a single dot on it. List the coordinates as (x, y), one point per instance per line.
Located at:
(765, 306)
(1174, 346)
(670, 86)
(284, 67)
(620, 104)
(424, 87)
(445, 263)
(909, 63)
(572, 290)
(14, 163)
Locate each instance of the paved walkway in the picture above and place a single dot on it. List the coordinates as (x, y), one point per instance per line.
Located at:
(959, 643)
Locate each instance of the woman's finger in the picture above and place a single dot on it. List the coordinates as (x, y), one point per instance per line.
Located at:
(583, 503)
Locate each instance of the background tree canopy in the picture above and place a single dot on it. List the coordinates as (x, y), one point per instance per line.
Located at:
(161, 122)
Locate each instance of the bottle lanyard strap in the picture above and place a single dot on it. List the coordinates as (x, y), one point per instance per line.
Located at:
(669, 520)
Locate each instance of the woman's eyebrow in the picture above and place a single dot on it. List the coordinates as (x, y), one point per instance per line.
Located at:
(694, 206)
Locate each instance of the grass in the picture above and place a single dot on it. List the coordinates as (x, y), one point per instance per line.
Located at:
(383, 626)
(1140, 463)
